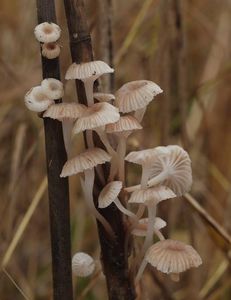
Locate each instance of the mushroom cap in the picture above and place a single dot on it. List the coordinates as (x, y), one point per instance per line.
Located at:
(51, 50)
(83, 264)
(88, 159)
(135, 95)
(170, 256)
(36, 100)
(154, 194)
(89, 70)
(103, 97)
(109, 193)
(53, 88)
(47, 32)
(142, 157)
(177, 164)
(65, 111)
(97, 115)
(141, 229)
(125, 123)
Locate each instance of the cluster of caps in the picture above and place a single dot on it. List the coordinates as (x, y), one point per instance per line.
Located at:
(48, 34)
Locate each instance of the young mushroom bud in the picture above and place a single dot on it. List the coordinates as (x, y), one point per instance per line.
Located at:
(53, 88)
(50, 50)
(47, 32)
(83, 265)
(36, 100)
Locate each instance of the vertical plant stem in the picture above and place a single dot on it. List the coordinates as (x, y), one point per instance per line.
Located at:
(57, 187)
(114, 255)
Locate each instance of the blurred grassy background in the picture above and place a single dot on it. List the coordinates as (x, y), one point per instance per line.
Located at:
(182, 45)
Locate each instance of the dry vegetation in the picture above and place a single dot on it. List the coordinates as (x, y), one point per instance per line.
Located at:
(185, 47)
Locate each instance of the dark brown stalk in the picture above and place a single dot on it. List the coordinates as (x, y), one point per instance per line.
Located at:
(113, 252)
(57, 187)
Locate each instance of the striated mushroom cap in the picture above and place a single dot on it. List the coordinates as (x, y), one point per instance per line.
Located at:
(51, 50)
(170, 256)
(53, 88)
(89, 70)
(85, 160)
(154, 194)
(103, 97)
(177, 165)
(65, 111)
(83, 264)
(141, 229)
(36, 100)
(47, 32)
(135, 95)
(125, 124)
(109, 193)
(97, 115)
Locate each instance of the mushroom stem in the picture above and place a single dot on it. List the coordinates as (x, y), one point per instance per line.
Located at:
(150, 229)
(144, 177)
(159, 234)
(141, 270)
(139, 114)
(124, 210)
(121, 150)
(103, 136)
(87, 186)
(67, 128)
(88, 85)
(140, 211)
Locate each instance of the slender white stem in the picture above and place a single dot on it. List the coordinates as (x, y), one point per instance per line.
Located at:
(88, 84)
(103, 136)
(124, 210)
(141, 270)
(88, 193)
(144, 177)
(139, 114)
(140, 211)
(159, 234)
(67, 126)
(121, 150)
(150, 229)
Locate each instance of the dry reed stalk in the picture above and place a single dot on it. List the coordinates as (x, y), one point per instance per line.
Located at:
(113, 253)
(58, 190)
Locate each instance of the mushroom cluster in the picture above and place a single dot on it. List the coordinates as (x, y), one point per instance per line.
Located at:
(166, 170)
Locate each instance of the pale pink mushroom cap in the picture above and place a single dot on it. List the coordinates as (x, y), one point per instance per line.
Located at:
(53, 88)
(109, 193)
(125, 123)
(50, 50)
(135, 95)
(65, 111)
(85, 71)
(103, 97)
(36, 100)
(83, 265)
(97, 115)
(170, 256)
(47, 32)
(141, 229)
(84, 161)
(154, 194)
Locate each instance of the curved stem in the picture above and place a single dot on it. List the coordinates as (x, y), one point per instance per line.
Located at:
(121, 150)
(88, 85)
(103, 136)
(159, 234)
(124, 210)
(150, 229)
(88, 193)
(67, 126)
(140, 211)
(141, 270)
(139, 114)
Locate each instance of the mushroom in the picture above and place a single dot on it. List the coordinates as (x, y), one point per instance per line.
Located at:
(103, 97)
(88, 72)
(65, 111)
(53, 88)
(47, 32)
(36, 100)
(83, 265)
(172, 169)
(109, 195)
(141, 228)
(135, 96)
(122, 128)
(50, 50)
(85, 162)
(170, 257)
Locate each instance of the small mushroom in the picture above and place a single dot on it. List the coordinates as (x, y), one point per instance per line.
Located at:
(103, 97)
(88, 72)
(170, 257)
(47, 32)
(141, 228)
(51, 50)
(53, 88)
(65, 111)
(36, 100)
(83, 265)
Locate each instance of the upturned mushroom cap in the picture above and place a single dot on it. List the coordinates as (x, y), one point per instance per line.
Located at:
(97, 115)
(83, 264)
(125, 123)
(154, 194)
(170, 256)
(109, 193)
(50, 50)
(36, 100)
(135, 95)
(53, 88)
(141, 229)
(84, 161)
(47, 32)
(103, 97)
(177, 165)
(84, 71)
(65, 111)
(142, 157)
